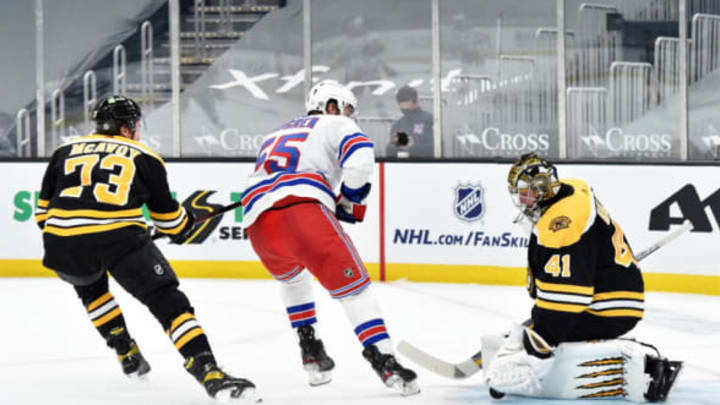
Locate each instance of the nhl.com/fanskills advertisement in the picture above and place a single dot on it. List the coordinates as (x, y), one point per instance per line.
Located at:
(469, 207)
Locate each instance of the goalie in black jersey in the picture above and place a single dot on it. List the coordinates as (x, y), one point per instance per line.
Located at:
(89, 210)
(587, 286)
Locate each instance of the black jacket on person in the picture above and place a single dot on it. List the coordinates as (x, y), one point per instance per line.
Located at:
(417, 124)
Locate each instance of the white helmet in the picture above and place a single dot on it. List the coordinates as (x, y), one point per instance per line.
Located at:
(325, 91)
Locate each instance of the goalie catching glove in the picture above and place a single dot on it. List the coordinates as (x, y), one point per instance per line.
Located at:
(520, 364)
(350, 204)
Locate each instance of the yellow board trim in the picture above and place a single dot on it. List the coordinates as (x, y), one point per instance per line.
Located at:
(436, 273)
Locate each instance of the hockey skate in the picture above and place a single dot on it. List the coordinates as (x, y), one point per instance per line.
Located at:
(218, 384)
(663, 373)
(131, 360)
(391, 372)
(133, 363)
(315, 361)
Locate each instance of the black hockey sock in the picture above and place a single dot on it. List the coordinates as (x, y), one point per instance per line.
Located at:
(187, 335)
(106, 316)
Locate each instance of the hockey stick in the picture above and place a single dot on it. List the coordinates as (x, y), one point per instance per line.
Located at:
(457, 371)
(664, 241)
(203, 218)
(472, 365)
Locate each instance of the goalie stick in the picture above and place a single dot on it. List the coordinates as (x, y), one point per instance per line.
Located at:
(664, 241)
(472, 365)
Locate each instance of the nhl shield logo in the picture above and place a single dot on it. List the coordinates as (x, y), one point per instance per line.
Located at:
(469, 204)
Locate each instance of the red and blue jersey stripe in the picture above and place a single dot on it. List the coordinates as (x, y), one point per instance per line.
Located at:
(301, 315)
(371, 332)
(255, 192)
(350, 144)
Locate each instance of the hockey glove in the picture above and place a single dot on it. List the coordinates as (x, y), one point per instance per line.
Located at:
(187, 230)
(350, 204)
(521, 363)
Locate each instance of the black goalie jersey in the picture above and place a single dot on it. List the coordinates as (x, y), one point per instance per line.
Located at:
(93, 191)
(587, 284)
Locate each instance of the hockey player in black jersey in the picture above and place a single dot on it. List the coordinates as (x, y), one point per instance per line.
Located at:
(586, 286)
(89, 211)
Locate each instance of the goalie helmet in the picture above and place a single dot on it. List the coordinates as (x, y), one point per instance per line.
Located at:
(325, 91)
(114, 112)
(532, 181)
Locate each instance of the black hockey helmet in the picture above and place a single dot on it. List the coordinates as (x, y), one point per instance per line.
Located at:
(114, 112)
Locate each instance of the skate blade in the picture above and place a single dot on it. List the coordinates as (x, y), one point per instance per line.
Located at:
(140, 375)
(249, 395)
(316, 378)
(406, 388)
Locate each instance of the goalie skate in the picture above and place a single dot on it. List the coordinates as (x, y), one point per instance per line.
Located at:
(316, 362)
(391, 373)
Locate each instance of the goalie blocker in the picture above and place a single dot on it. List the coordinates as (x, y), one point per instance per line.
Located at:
(616, 368)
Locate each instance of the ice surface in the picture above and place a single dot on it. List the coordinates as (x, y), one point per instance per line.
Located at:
(51, 355)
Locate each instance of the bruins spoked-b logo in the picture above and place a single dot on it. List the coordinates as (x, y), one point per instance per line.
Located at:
(469, 202)
(560, 222)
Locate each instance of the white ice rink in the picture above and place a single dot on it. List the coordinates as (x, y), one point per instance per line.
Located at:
(50, 354)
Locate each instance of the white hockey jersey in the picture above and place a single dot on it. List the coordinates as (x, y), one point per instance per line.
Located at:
(308, 157)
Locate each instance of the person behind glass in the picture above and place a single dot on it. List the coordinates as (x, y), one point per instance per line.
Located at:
(291, 213)
(411, 135)
(89, 211)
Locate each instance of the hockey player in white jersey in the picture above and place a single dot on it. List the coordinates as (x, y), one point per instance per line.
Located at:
(291, 213)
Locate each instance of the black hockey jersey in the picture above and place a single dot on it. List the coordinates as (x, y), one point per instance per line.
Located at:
(583, 268)
(94, 188)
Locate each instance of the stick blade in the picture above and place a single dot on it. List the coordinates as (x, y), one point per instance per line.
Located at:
(438, 366)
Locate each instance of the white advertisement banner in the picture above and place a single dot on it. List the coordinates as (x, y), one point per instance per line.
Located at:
(210, 185)
(435, 213)
(447, 213)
